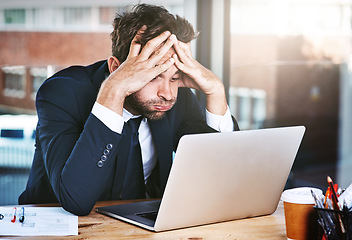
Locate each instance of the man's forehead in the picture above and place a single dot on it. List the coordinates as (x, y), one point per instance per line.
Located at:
(171, 71)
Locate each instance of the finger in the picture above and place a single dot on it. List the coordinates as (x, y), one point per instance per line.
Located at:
(186, 47)
(157, 70)
(151, 45)
(187, 80)
(190, 72)
(183, 56)
(135, 47)
(161, 53)
(179, 64)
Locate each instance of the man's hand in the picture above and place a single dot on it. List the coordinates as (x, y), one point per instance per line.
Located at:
(198, 77)
(137, 71)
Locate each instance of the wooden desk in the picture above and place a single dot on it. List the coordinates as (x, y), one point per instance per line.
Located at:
(98, 226)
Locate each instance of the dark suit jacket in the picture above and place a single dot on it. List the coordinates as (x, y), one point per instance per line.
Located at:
(70, 141)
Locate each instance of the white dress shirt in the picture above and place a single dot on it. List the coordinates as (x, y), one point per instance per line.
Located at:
(116, 122)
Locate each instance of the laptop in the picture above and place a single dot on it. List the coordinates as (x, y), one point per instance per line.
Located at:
(218, 177)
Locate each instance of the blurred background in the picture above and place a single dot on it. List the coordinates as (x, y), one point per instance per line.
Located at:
(283, 63)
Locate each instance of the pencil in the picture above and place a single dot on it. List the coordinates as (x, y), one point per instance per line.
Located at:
(334, 195)
(341, 228)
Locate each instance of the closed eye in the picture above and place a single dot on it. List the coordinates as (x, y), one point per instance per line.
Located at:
(177, 76)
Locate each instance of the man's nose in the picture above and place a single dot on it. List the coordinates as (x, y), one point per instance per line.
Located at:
(165, 90)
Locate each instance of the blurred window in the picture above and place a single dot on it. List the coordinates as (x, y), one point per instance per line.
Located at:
(38, 77)
(248, 105)
(14, 81)
(15, 16)
(77, 16)
(290, 65)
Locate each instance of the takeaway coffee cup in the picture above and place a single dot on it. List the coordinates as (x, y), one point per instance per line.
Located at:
(300, 217)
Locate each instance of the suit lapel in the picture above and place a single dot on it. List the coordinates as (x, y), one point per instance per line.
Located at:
(162, 137)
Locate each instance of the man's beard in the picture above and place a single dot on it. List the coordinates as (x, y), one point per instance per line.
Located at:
(143, 107)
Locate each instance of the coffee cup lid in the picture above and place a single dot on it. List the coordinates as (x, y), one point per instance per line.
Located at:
(301, 195)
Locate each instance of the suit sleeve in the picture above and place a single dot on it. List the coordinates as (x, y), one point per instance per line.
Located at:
(78, 149)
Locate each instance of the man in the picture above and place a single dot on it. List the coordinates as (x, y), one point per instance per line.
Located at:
(84, 136)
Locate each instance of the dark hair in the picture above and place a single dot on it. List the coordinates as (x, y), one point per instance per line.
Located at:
(156, 18)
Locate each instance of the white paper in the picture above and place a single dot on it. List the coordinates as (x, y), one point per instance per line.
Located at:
(346, 197)
(38, 221)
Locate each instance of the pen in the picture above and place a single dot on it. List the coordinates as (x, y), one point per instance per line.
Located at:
(327, 195)
(21, 219)
(14, 215)
(326, 218)
(336, 207)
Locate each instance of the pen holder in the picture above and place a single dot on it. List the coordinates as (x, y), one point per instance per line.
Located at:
(337, 225)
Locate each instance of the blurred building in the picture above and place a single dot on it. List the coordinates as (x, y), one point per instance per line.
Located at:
(289, 60)
(41, 37)
(290, 65)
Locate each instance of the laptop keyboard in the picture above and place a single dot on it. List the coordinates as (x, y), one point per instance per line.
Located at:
(148, 215)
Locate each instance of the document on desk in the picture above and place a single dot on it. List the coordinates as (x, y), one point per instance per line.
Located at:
(37, 221)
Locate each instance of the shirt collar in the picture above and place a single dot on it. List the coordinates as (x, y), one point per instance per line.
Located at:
(127, 116)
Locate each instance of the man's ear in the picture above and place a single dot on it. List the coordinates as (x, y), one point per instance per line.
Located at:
(113, 64)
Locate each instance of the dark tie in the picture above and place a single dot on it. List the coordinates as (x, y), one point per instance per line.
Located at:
(134, 187)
